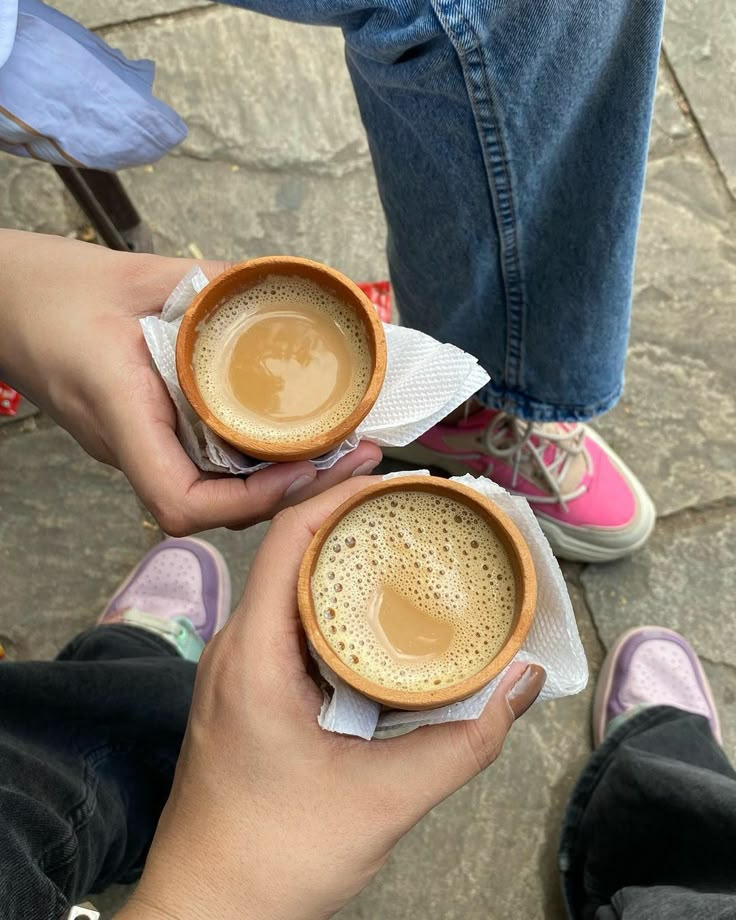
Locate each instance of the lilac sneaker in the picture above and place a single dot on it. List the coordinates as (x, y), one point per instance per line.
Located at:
(651, 666)
(180, 590)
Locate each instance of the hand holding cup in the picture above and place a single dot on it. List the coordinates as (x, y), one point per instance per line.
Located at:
(72, 343)
(270, 816)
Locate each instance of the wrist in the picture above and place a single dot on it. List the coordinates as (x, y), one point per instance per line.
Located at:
(182, 881)
(171, 888)
(140, 908)
(135, 909)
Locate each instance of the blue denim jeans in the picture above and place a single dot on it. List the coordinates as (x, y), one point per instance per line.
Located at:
(509, 139)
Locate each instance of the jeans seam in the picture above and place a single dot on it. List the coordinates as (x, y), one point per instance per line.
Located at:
(499, 182)
(78, 816)
(61, 903)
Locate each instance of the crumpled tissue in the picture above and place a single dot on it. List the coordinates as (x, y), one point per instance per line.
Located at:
(425, 380)
(553, 641)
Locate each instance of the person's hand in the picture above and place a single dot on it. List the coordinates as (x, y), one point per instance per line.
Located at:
(271, 817)
(72, 343)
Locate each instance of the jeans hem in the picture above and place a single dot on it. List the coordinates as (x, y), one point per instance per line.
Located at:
(112, 630)
(526, 407)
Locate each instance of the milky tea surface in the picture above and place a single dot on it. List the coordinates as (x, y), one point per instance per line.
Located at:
(283, 361)
(414, 591)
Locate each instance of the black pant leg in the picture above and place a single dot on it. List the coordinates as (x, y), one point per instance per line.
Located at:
(88, 746)
(650, 829)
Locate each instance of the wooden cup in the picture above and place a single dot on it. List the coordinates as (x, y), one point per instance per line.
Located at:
(238, 279)
(526, 594)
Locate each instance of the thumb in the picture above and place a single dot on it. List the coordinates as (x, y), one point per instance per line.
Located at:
(181, 498)
(439, 759)
(157, 276)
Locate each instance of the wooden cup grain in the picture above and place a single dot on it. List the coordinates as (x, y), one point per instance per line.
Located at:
(526, 594)
(238, 279)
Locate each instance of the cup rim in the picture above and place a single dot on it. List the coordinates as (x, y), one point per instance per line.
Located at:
(224, 286)
(526, 594)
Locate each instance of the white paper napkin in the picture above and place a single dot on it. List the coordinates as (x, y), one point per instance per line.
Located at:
(425, 380)
(553, 641)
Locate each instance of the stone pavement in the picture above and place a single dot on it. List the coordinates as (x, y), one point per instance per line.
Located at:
(259, 174)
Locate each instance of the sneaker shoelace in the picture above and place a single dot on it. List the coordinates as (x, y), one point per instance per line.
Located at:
(520, 442)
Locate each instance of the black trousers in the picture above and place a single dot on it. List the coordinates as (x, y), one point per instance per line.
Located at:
(88, 745)
(650, 830)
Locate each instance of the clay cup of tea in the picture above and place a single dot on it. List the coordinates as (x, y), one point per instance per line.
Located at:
(417, 592)
(282, 357)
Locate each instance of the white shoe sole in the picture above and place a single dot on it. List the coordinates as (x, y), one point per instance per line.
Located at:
(593, 544)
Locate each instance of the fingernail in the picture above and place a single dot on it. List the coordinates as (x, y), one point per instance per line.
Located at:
(299, 483)
(365, 468)
(526, 689)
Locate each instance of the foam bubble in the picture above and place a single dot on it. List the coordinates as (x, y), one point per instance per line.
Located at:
(440, 555)
(217, 338)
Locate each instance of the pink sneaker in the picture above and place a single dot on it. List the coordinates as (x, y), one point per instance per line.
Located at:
(589, 504)
(180, 590)
(651, 666)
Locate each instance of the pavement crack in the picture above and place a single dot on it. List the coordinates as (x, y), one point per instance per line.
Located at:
(323, 167)
(721, 506)
(572, 573)
(185, 13)
(589, 609)
(689, 112)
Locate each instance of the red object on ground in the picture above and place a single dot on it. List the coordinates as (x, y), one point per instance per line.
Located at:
(379, 293)
(9, 399)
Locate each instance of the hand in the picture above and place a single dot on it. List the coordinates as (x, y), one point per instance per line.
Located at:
(72, 343)
(271, 817)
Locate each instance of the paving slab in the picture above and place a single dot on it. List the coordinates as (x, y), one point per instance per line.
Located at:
(70, 530)
(699, 38)
(685, 579)
(32, 197)
(672, 428)
(675, 422)
(198, 206)
(260, 172)
(669, 128)
(96, 14)
(278, 97)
